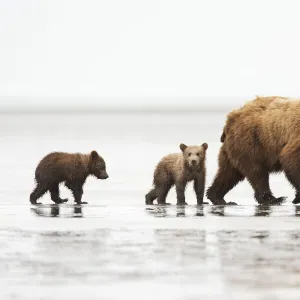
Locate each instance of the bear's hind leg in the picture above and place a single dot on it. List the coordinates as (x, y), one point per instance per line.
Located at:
(259, 180)
(38, 192)
(150, 197)
(162, 193)
(54, 193)
(290, 161)
(227, 178)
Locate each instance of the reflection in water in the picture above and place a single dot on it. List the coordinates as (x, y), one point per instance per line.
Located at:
(78, 211)
(218, 210)
(199, 211)
(157, 211)
(297, 211)
(261, 235)
(55, 211)
(263, 210)
(180, 211)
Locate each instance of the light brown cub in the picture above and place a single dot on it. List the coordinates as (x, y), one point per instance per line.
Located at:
(178, 169)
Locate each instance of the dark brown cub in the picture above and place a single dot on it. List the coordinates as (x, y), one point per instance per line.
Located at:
(70, 168)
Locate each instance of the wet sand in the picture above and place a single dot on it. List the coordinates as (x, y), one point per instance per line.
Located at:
(113, 252)
(116, 247)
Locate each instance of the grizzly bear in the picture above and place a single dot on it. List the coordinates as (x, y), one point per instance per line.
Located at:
(70, 168)
(259, 138)
(179, 169)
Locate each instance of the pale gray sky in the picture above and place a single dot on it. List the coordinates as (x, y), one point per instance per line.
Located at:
(145, 49)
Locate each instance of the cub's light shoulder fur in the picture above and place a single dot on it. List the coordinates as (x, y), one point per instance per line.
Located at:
(178, 169)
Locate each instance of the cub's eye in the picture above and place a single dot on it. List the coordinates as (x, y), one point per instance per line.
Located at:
(190, 154)
(198, 154)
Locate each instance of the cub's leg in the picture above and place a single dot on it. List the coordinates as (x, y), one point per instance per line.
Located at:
(162, 182)
(162, 192)
(199, 187)
(54, 193)
(151, 196)
(76, 190)
(38, 192)
(180, 191)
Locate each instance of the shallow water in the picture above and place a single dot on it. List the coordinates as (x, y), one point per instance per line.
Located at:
(117, 247)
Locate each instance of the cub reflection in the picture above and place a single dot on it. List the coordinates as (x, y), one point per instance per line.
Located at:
(157, 211)
(297, 210)
(199, 211)
(218, 210)
(55, 211)
(178, 211)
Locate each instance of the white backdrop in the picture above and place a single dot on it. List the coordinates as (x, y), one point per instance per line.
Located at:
(146, 52)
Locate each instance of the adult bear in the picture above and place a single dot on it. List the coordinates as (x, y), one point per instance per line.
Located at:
(261, 137)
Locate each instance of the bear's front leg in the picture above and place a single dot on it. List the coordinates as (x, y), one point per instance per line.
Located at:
(199, 186)
(54, 193)
(78, 192)
(180, 191)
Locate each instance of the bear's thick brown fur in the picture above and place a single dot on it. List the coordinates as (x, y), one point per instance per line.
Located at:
(261, 137)
(70, 168)
(179, 169)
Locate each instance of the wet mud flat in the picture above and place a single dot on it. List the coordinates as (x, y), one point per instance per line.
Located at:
(116, 247)
(146, 252)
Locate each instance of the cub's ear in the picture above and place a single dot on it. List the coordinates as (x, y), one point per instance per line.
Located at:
(94, 154)
(204, 146)
(182, 147)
